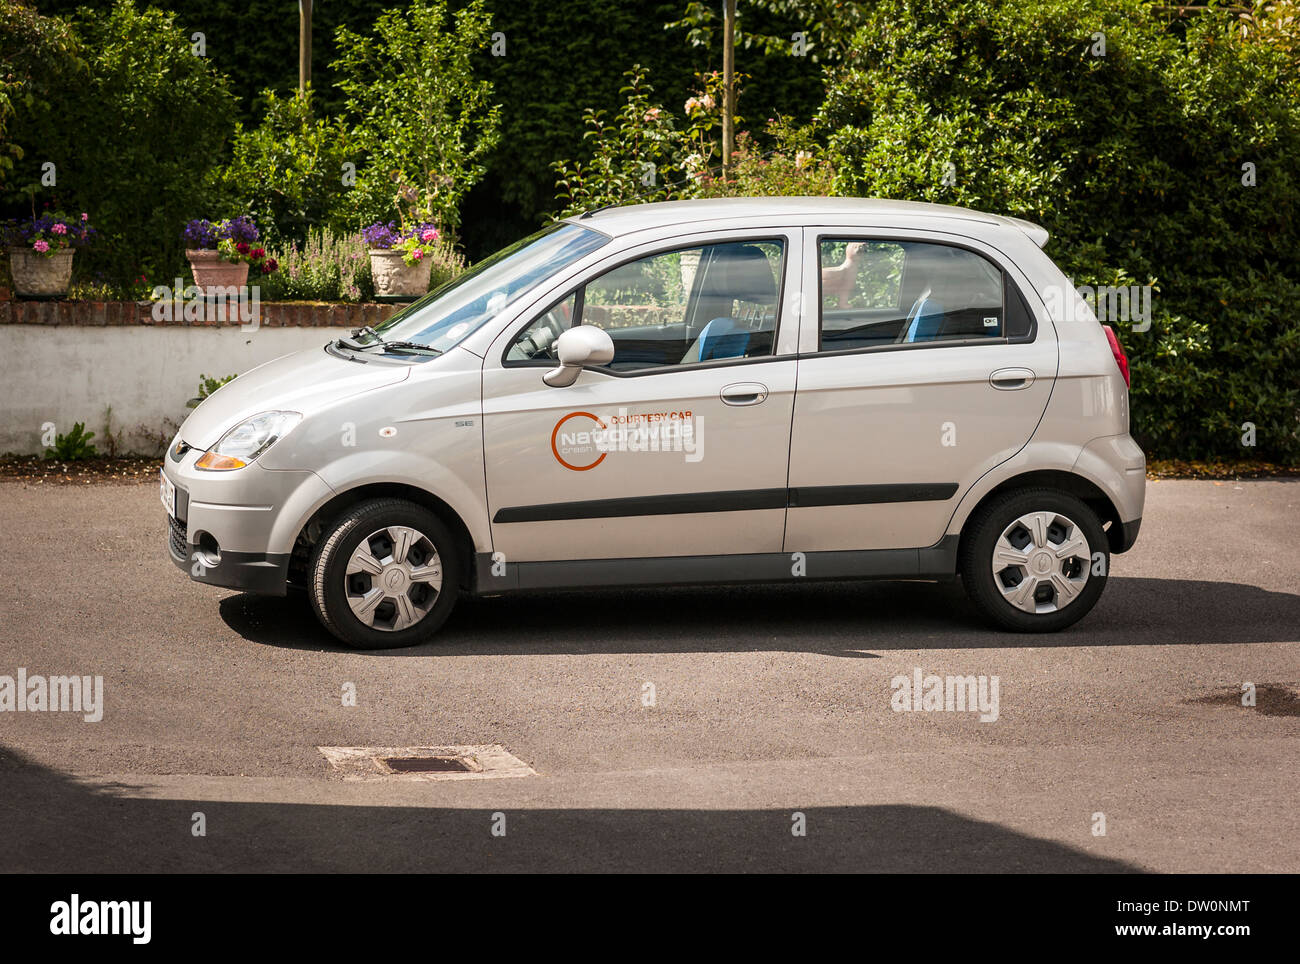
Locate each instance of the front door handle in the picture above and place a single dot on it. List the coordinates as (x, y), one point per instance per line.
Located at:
(744, 393)
(1011, 379)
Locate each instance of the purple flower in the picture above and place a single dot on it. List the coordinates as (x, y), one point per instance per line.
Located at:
(240, 229)
(380, 235)
(202, 233)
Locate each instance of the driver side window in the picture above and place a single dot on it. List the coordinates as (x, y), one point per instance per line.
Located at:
(688, 306)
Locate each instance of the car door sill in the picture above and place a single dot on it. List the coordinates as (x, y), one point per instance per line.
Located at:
(932, 562)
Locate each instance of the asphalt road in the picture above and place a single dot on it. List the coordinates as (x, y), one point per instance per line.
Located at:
(768, 701)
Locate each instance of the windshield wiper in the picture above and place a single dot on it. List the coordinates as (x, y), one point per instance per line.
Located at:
(411, 346)
(350, 342)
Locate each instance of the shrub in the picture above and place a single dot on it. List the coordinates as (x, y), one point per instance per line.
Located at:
(289, 172)
(37, 55)
(421, 114)
(74, 446)
(326, 267)
(1133, 160)
(209, 384)
(643, 153)
(795, 167)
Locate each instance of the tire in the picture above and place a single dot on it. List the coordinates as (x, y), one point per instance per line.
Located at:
(409, 560)
(1031, 587)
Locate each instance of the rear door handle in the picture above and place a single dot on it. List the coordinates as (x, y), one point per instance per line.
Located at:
(744, 393)
(1011, 379)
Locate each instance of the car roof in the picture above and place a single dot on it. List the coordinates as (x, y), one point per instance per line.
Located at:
(630, 218)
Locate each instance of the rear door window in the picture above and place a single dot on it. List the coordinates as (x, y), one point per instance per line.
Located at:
(876, 293)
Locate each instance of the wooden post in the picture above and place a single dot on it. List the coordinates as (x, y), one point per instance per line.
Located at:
(728, 83)
(304, 44)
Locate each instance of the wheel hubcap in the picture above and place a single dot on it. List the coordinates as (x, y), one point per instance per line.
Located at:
(393, 578)
(1041, 562)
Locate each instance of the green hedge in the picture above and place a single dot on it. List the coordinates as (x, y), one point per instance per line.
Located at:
(1133, 160)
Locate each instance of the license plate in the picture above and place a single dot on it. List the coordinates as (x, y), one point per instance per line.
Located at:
(167, 492)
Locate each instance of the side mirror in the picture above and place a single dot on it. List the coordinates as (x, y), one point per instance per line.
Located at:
(577, 348)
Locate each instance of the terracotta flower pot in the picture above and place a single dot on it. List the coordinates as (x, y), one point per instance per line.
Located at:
(41, 275)
(210, 270)
(394, 277)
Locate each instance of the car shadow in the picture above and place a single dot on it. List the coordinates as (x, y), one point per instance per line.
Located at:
(849, 620)
(53, 823)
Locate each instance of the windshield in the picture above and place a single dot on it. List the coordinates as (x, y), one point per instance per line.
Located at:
(443, 317)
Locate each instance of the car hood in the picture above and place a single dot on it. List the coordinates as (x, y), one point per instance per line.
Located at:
(299, 382)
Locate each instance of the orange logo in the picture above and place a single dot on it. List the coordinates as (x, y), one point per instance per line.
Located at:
(578, 443)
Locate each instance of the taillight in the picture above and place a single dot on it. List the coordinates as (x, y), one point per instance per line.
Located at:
(1117, 350)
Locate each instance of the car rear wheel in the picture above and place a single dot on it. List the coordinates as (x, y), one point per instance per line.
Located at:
(384, 575)
(1034, 560)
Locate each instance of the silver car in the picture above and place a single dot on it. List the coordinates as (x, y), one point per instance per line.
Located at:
(718, 391)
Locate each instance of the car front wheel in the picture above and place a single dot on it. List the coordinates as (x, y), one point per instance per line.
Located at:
(1035, 560)
(384, 575)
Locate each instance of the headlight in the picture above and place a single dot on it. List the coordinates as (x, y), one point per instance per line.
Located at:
(247, 440)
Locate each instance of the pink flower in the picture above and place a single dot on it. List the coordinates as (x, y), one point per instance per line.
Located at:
(417, 254)
(42, 246)
(59, 228)
(85, 216)
(703, 102)
(429, 235)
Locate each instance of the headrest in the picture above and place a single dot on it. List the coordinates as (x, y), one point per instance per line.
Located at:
(743, 272)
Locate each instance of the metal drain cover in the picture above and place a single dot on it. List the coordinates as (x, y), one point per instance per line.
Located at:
(420, 763)
(426, 764)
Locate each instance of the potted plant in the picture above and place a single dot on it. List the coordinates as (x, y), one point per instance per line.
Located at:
(41, 252)
(400, 258)
(220, 253)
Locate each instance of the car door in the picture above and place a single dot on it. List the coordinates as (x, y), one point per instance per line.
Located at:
(679, 446)
(925, 369)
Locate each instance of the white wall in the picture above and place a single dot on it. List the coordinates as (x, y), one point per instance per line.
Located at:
(64, 375)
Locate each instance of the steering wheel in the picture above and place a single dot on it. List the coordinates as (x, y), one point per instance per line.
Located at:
(911, 316)
(539, 342)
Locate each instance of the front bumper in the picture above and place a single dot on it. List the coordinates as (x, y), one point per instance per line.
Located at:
(260, 572)
(1124, 535)
(237, 530)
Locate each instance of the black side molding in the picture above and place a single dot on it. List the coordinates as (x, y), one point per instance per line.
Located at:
(871, 494)
(737, 500)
